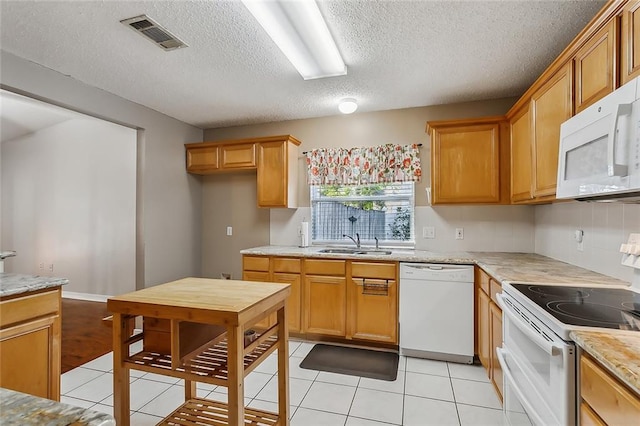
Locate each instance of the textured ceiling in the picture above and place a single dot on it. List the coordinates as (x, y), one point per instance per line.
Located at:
(399, 53)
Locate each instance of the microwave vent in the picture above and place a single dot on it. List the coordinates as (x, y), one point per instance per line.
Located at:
(153, 31)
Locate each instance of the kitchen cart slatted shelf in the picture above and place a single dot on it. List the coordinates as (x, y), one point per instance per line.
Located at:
(203, 412)
(208, 365)
(216, 356)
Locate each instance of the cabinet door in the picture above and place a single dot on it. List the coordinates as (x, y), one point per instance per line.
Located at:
(465, 164)
(238, 156)
(325, 305)
(484, 332)
(272, 174)
(30, 360)
(262, 277)
(496, 342)
(596, 66)
(521, 159)
(551, 105)
(293, 302)
(374, 309)
(202, 160)
(630, 42)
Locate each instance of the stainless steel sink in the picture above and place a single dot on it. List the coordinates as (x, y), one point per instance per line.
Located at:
(340, 251)
(354, 251)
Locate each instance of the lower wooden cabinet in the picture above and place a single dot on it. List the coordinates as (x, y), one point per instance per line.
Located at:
(604, 400)
(30, 333)
(343, 299)
(325, 305)
(489, 327)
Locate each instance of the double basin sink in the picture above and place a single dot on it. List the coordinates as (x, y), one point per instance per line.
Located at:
(372, 252)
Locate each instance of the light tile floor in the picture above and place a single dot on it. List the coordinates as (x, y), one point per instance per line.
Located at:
(425, 393)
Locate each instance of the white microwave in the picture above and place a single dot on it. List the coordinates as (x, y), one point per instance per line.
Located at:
(599, 155)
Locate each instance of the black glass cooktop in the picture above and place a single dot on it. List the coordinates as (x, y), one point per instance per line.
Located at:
(587, 306)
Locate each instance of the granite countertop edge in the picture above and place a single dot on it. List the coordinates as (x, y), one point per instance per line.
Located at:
(17, 408)
(505, 267)
(616, 350)
(12, 284)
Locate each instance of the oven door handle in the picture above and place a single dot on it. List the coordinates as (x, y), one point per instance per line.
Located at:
(521, 398)
(547, 346)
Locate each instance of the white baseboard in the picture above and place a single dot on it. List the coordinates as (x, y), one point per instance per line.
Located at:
(85, 296)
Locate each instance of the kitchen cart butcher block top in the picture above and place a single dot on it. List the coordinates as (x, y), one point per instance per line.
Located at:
(201, 300)
(20, 409)
(504, 267)
(12, 284)
(618, 351)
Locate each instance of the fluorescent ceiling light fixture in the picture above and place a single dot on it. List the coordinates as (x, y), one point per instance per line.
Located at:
(298, 29)
(347, 106)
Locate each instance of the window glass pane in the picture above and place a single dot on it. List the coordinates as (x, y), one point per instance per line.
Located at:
(383, 211)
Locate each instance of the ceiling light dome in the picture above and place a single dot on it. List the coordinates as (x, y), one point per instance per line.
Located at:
(348, 106)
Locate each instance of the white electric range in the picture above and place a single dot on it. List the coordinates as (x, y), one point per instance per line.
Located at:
(538, 358)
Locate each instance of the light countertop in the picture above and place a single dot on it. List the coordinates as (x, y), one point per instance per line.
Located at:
(618, 351)
(505, 267)
(20, 409)
(12, 284)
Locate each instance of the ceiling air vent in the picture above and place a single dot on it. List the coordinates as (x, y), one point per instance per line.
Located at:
(153, 31)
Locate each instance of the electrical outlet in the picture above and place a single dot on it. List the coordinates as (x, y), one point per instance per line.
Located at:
(229, 231)
(225, 276)
(41, 266)
(428, 232)
(50, 267)
(459, 233)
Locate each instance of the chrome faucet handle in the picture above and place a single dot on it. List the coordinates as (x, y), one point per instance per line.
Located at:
(376, 238)
(357, 240)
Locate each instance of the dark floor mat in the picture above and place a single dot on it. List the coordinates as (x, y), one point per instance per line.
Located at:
(352, 361)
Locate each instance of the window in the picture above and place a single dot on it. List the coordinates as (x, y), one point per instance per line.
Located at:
(383, 210)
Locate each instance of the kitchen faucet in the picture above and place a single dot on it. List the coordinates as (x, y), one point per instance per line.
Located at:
(355, 240)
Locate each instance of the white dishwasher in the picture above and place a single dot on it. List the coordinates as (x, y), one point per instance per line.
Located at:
(436, 311)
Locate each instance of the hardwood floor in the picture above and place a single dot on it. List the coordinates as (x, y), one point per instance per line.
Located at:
(84, 336)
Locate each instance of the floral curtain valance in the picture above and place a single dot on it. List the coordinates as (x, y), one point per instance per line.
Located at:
(359, 166)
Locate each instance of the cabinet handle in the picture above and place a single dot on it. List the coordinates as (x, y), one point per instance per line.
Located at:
(375, 288)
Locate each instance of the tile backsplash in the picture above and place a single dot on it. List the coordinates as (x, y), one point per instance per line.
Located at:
(547, 230)
(486, 228)
(605, 227)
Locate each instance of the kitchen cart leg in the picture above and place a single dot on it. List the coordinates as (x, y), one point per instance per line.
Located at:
(189, 389)
(283, 367)
(120, 370)
(235, 365)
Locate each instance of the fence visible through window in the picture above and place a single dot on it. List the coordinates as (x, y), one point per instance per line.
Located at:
(382, 211)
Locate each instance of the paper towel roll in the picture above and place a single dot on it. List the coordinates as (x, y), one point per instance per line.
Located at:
(304, 234)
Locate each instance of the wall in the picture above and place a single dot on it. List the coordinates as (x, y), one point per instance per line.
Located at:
(499, 228)
(605, 226)
(70, 198)
(169, 201)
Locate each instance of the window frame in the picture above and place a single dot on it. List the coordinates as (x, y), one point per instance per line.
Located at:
(408, 244)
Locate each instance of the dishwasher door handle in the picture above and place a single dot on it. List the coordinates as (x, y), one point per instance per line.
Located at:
(436, 268)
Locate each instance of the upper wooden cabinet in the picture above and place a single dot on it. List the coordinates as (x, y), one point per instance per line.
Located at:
(551, 105)
(596, 66)
(274, 157)
(278, 173)
(521, 158)
(630, 42)
(466, 161)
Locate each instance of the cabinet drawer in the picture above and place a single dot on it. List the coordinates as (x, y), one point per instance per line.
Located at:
(588, 417)
(281, 264)
(386, 271)
(611, 401)
(324, 267)
(255, 263)
(482, 280)
(25, 308)
(495, 287)
(238, 156)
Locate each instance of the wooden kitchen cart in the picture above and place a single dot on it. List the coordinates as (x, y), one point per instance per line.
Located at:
(231, 307)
